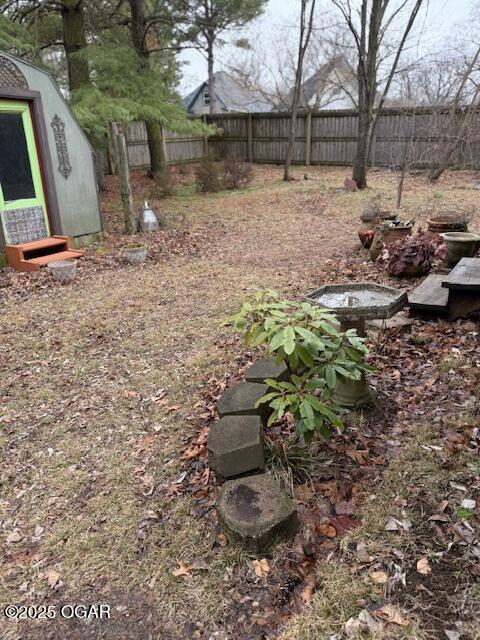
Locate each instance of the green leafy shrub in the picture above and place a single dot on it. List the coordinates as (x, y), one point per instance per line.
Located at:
(316, 352)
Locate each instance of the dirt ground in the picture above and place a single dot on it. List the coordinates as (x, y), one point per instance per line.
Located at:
(107, 388)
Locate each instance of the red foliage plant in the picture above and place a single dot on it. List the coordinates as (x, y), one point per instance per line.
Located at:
(412, 254)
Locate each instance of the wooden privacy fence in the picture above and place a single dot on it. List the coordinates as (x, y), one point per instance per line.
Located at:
(410, 136)
(178, 147)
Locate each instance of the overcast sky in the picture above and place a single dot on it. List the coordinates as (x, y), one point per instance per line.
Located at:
(443, 17)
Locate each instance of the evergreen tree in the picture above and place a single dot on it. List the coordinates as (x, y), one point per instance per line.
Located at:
(117, 66)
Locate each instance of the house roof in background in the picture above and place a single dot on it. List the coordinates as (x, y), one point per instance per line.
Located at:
(229, 94)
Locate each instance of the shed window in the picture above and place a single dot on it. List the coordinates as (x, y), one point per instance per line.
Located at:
(15, 173)
(206, 98)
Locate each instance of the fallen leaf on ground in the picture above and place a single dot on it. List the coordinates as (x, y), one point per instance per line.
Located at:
(327, 530)
(14, 536)
(393, 524)
(182, 570)
(362, 553)
(423, 567)
(52, 577)
(379, 577)
(307, 592)
(343, 524)
(262, 568)
(346, 508)
(360, 456)
(392, 613)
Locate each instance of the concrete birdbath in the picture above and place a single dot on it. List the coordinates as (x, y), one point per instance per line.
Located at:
(353, 304)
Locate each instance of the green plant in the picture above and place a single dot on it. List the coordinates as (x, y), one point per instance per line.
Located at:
(316, 353)
(290, 461)
(464, 513)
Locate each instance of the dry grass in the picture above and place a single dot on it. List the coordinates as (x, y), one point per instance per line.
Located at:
(88, 453)
(344, 592)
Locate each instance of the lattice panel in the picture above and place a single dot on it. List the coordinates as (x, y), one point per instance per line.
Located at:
(24, 225)
(10, 75)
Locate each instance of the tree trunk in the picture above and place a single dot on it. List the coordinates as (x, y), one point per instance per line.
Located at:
(367, 88)
(292, 132)
(305, 33)
(125, 186)
(73, 25)
(158, 161)
(211, 79)
(360, 163)
(137, 10)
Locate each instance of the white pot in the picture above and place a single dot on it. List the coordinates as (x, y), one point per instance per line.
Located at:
(135, 255)
(63, 270)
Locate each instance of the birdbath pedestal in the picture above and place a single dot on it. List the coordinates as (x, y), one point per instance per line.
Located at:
(353, 304)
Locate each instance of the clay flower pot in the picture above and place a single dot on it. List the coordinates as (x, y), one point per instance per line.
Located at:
(446, 223)
(385, 236)
(63, 270)
(460, 245)
(366, 230)
(135, 253)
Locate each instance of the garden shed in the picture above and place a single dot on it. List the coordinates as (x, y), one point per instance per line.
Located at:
(48, 191)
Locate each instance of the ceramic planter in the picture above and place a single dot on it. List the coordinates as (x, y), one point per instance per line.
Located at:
(63, 270)
(460, 245)
(135, 253)
(446, 224)
(385, 236)
(367, 228)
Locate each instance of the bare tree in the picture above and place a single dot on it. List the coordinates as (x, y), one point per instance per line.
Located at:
(329, 73)
(306, 27)
(459, 121)
(369, 26)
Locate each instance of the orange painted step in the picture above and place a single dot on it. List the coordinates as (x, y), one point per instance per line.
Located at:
(43, 242)
(61, 255)
(30, 256)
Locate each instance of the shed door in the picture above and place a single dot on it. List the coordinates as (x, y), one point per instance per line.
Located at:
(23, 213)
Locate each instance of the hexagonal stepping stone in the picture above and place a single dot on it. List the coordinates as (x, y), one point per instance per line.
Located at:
(257, 512)
(240, 400)
(266, 368)
(235, 446)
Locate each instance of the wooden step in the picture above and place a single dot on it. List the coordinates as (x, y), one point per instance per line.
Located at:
(61, 255)
(465, 276)
(30, 256)
(430, 295)
(43, 242)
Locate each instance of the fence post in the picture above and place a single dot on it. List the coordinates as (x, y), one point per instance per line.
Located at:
(249, 137)
(111, 150)
(308, 138)
(125, 186)
(373, 149)
(164, 144)
(205, 137)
